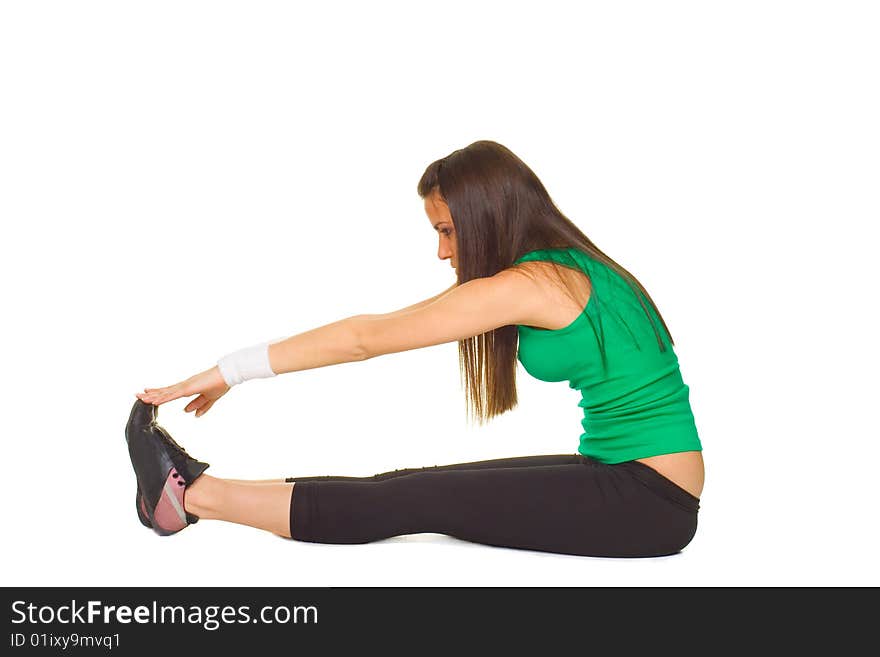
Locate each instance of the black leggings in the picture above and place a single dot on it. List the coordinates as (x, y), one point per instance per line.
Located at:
(565, 503)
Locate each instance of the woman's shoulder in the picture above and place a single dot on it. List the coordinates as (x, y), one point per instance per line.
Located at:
(561, 292)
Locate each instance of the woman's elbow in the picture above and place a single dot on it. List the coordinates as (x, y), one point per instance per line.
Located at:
(360, 333)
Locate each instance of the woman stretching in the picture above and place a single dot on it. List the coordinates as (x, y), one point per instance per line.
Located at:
(530, 287)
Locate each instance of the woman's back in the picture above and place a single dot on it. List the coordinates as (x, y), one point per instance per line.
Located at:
(636, 404)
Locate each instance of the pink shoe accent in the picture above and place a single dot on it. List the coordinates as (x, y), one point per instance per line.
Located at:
(170, 515)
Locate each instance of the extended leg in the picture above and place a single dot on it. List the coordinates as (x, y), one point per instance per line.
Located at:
(582, 508)
(266, 503)
(265, 506)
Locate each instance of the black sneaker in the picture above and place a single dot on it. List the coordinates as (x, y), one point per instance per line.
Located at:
(163, 469)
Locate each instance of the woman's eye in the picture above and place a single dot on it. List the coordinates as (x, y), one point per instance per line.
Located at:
(445, 231)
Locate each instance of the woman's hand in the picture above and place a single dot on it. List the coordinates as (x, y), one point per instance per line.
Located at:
(209, 385)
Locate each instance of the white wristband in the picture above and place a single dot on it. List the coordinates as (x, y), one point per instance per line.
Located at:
(244, 364)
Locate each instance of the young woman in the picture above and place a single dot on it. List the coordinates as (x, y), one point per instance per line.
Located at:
(530, 287)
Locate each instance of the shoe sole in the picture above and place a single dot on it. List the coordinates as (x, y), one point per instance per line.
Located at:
(143, 515)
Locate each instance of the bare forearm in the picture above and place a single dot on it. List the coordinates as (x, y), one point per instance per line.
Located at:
(331, 344)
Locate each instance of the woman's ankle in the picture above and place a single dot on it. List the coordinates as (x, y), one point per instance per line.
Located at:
(203, 496)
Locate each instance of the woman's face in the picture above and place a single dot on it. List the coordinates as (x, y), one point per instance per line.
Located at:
(441, 220)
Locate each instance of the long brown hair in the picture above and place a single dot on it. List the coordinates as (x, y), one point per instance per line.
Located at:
(502, 211)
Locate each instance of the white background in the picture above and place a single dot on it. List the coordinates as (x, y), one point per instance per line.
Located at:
(182, 179)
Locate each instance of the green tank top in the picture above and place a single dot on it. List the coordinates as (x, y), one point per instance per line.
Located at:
(634, 399)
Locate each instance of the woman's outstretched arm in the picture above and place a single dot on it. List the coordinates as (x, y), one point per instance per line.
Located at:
(463, 311)
(331, 344)
(472, 308)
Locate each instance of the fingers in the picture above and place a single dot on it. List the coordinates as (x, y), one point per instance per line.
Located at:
(144, 396)
(204, 409)
(159, 396)
(149, 395)
(196, 404)
(200, 405)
